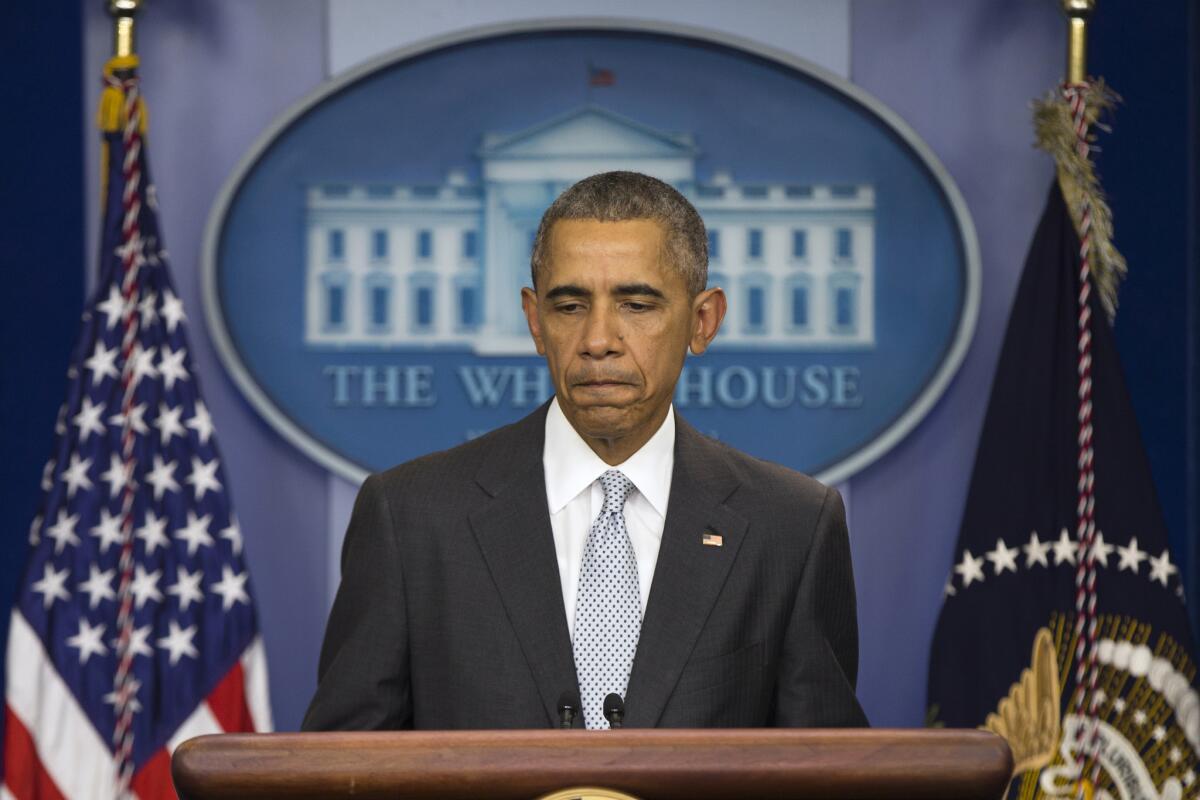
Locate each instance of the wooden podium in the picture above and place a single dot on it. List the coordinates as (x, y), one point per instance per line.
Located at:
(645, 764)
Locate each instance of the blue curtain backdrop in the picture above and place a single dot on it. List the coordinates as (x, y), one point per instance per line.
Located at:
(41, 238)
(1148, 167)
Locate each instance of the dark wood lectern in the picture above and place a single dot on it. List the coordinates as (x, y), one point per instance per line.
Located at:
(648, 764)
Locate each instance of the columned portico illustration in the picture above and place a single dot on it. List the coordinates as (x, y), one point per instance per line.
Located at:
(427, 266)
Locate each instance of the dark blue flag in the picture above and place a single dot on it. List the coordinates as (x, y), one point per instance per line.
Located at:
(1080, 656)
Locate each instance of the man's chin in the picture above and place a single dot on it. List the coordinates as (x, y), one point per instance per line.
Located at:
(603, 421)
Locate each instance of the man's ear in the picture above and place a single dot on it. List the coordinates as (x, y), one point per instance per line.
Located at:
(529, 303)
(708, 310)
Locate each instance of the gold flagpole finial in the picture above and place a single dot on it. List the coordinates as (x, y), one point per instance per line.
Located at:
(123, 12)
(1077, 12)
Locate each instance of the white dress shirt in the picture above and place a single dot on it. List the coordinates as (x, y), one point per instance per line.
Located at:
(575, 497)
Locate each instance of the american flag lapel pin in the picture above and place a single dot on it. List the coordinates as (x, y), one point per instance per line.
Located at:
(712, 539)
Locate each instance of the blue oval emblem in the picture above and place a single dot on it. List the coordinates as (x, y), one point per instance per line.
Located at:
(362, 268)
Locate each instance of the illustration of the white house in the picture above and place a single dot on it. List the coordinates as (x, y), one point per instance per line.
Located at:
(442, 265)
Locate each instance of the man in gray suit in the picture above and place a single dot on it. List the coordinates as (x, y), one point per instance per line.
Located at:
(601, 545)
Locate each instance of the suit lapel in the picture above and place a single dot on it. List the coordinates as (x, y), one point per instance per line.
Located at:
(689, 574)
(514, 535)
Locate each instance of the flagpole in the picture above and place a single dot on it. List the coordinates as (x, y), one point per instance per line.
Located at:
(123, 13)
(1077, 12)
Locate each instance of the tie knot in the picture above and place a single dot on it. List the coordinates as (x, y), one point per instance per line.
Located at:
(616, 488)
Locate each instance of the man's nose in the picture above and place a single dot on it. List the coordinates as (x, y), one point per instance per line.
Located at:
(601, 336)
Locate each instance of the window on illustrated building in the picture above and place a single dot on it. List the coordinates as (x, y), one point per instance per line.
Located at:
(754, 243)
(425, 306)
(335, 314)
(799, 244)
(336, 244)
(756, 303)
(845, 307)
(468, 307)
(423, 295)
(843, 249)
(333, 306)
(379, 303)
(844, 293)
(798, 297)
(379, 245)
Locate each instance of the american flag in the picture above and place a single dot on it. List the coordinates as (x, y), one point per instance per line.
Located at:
(135, 628)
(601, 76)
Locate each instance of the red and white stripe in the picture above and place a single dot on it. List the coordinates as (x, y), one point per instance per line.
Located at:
(52, 750)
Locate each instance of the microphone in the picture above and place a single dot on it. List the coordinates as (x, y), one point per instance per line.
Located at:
(568, 708)
(614, 710)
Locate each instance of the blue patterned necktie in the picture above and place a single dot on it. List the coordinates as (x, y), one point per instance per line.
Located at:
(608, 604)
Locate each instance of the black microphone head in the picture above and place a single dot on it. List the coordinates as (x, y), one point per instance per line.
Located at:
(614, 709)
(569, 701)
(569, 706)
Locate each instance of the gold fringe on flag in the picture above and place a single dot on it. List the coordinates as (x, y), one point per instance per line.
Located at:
(1054, 126)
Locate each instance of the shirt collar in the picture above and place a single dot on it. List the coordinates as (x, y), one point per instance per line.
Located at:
(571, 466)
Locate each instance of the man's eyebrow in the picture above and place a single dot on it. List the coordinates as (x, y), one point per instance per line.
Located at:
(639, 289)
(567, 290)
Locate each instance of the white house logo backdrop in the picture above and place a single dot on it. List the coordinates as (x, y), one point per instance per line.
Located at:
(363, 266)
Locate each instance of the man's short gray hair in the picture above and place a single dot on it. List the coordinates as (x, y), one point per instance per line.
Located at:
(620, 196)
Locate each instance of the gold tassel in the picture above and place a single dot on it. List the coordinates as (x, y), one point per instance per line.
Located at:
(1054, 125)
(110, 116)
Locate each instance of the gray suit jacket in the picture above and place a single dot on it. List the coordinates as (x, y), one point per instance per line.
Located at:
(450, 611)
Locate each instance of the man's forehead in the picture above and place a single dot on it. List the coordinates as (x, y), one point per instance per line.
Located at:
(593, 251)
(588, 232)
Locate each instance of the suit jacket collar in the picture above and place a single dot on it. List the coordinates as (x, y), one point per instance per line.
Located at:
(689, 574)
(514, 451)
(514, 535)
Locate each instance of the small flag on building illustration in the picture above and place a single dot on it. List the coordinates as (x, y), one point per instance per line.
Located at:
(601, 76)
(135, 626)
(1064, 627)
